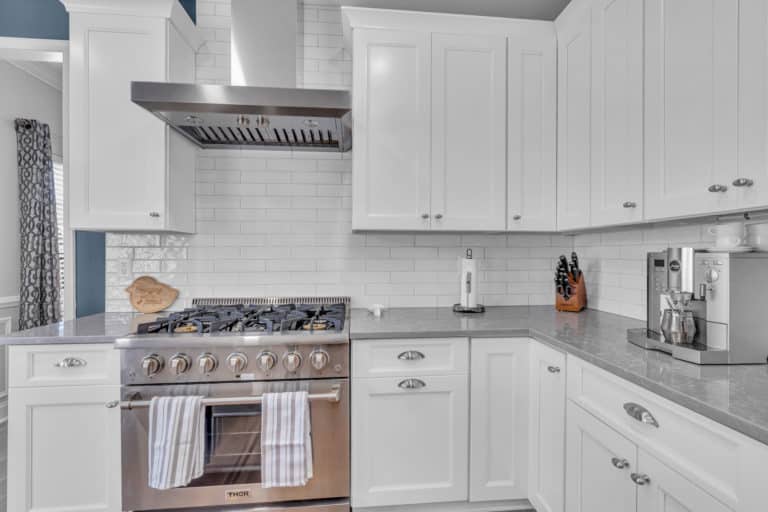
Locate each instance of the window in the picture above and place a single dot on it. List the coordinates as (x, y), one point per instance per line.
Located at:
(58, 178)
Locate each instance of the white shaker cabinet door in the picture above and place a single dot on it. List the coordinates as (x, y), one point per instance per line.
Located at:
(64, 450)
(409, 440)
(661, 489)
(751, 183)
(531, 125)
(546, 460)
(469, 98)
(391, 93)
(617, 112)
(691, 105)
(498, 419)
(574, 100)
(598, 467)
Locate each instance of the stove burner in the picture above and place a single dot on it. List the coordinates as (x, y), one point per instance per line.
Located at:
(247, 318)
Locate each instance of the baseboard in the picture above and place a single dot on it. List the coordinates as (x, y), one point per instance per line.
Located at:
(463, 506)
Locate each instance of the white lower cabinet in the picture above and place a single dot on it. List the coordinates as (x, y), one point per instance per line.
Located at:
(64, 449)
(668, 491)
(599, 463)
(498, 419)
(409, 440)
(546, 432)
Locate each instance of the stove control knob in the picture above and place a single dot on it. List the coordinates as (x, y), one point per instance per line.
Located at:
(237, 362)
(292, 361)
(180, 363)
(207, 363)
(266, 361)
(319, 359)
(152, 364)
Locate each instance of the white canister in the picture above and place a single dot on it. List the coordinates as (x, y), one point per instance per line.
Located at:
(728, 235)
(757, 235)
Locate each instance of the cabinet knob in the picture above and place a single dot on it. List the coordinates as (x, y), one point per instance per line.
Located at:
(154, 215)
(412, 384)
(112, 404)
(629, 204)
(553, 369)
(438, 216)
(640, 479)
(517, 217)
(743, 182)
(619, 463)
(425, 216)
(717, 188)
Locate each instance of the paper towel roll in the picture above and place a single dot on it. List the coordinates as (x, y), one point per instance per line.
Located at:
(468, 281)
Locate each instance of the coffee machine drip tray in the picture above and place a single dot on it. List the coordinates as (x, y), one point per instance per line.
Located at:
(695, 353)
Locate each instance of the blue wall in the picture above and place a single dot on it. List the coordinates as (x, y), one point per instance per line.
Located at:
(46, 19)
(90, 268)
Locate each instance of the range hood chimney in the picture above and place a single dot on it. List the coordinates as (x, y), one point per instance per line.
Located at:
(262, 109)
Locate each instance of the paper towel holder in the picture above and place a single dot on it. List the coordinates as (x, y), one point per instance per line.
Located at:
(478, 308)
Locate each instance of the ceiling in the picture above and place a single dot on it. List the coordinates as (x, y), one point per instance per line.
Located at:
(530, 9)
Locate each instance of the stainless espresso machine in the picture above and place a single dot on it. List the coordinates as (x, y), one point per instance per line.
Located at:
(717, 300)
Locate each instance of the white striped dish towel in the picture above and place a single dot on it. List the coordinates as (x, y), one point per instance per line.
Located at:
(286, 440)
(176, 440)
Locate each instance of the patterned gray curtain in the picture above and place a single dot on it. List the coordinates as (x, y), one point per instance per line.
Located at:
(39, 296)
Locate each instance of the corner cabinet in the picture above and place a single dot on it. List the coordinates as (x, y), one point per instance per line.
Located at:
(127, 169)
(430, 95)
(63, 442)
(498, 419)
(574, 100)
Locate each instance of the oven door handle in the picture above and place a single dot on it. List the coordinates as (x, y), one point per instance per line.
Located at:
(332, 396)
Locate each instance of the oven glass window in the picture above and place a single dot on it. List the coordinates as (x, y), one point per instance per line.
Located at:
(232, 446)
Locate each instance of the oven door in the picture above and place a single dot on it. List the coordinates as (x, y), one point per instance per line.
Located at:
(232, 473)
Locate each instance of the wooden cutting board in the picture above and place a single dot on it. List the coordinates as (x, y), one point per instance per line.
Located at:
(148, 295)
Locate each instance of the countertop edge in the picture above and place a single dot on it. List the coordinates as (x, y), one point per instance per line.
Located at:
(743, 427)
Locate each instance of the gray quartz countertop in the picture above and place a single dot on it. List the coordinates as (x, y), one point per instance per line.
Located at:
(101, 328)
(735, 396)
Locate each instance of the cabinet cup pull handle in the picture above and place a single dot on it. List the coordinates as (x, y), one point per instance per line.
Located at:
(112, 404)
(154, 215)
(640, 479)
(71, 362)
(619, 463)
(641, 414)
(743, 182)
(425, 216)
(439, 216)
(517, 217)
(717, 188)
(411, 355)
(553, 369)
(629, 204)
(412, 384)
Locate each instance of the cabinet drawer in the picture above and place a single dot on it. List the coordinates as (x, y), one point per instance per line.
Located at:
(670, 432)
(54, 365)
(402, 357)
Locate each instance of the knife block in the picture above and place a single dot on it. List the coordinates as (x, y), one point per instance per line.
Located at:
(577, 301)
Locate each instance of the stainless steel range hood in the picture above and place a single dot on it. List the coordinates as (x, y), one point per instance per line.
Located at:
(264, 109)
(229, 116)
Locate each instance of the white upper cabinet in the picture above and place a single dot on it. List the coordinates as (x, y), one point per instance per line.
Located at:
(469, 98)
(431, 96)
(691, 105)
(617, 112)
(574, 113)
(128, 170)
(752, 188)
(532, 126)
(391, 170)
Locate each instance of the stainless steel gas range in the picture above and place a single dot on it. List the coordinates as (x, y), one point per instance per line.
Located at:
(231, 351)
